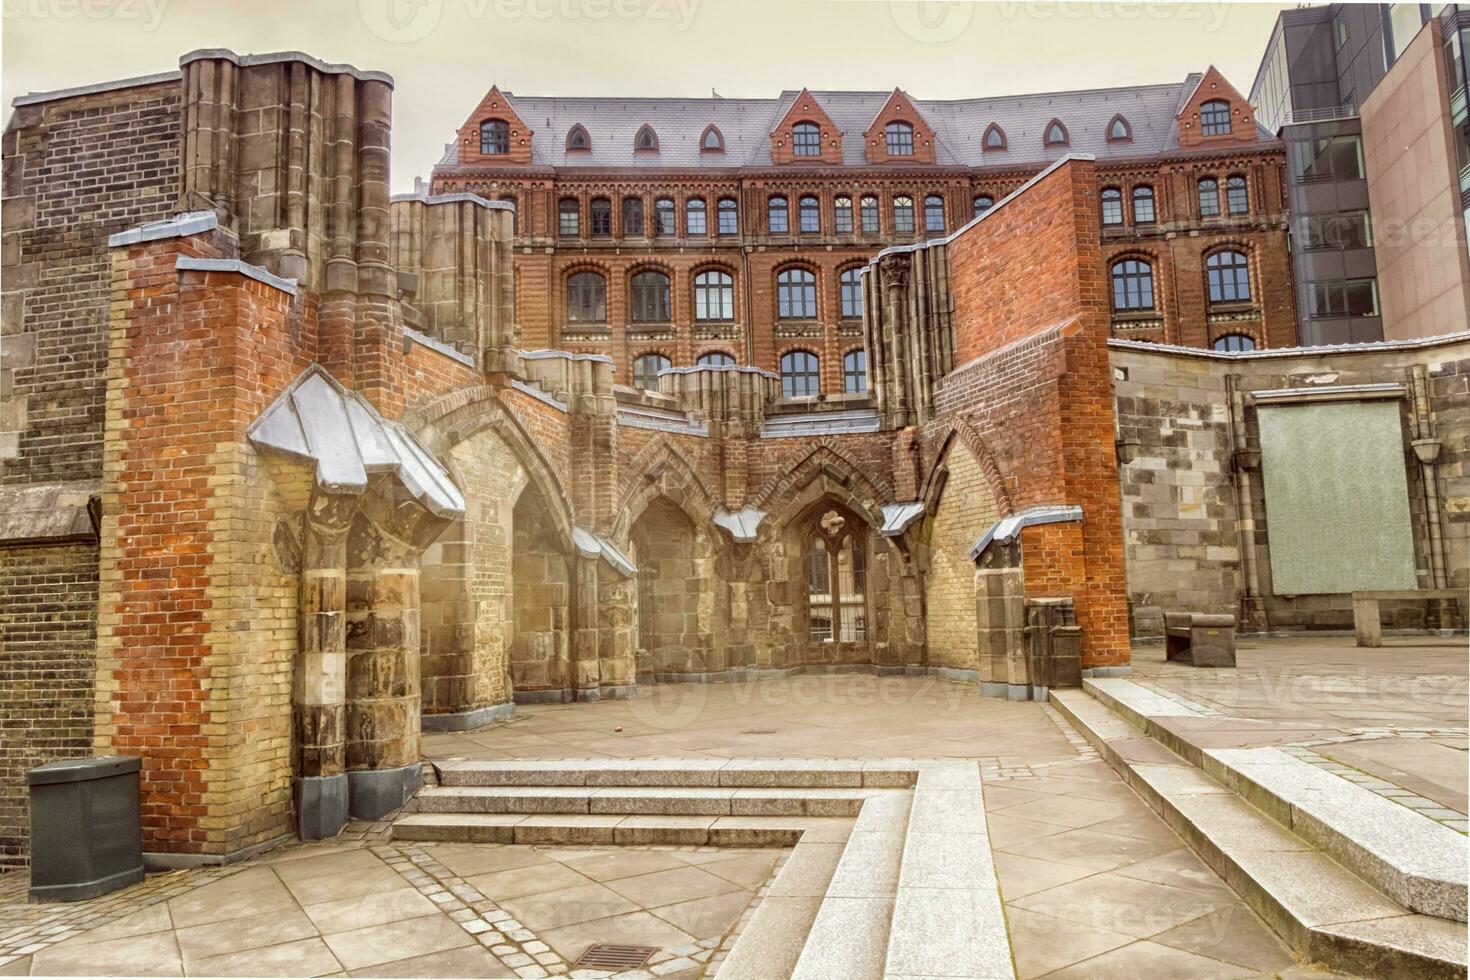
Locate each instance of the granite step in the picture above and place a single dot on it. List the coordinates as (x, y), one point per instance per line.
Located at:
(1318, 906)
(743, 773)
(1419, 863)
(581, 828)
(644, 800)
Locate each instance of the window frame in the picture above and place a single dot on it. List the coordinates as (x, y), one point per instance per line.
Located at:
(822, 559)
(593, 287)
(1144, 192)
(1228, 281)
(727, 206)
(633, 209)
(1213, 189)
(806, 139)
(665, 217)
(640, 145)
(1131, 278)
(1234, 343)
(1104, 200)
(976, 210)
(809, 214)
(777, 204)
(695, 207)
(903, 204)
(711, 130)
(644, 296)
(796, 293)
(1117, 120)
(1209, 124)
(858, 356)
(599, 217)
(870, 214)
(578, 130)
(662, 362)
(985, 143)
(898, 138)
(719, 285)
(716, 358)
(931, 202)
(841, 211)
(850, 293)
(569, 218)
(501, 139)
(1237, 204)
(1056, 125)
(808, 379)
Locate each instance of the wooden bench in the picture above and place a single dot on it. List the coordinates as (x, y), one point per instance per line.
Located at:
(1365, 609)
(1200, 639)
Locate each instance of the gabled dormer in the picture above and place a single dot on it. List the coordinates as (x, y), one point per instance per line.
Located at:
(1215, 113)
(806, 134)
(494, 134)
(898, 133)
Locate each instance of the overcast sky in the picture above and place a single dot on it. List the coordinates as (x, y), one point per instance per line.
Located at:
(444, 54)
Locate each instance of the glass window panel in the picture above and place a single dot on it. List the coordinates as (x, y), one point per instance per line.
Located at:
(800, 377)
(842, 212)
(729, 216)
(855, 372)
(714, 296)
(796, 295)
(903, 214)
(587, 298)
(776, 221)
(850, 290)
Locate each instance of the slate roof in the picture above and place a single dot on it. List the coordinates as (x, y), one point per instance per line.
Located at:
(746, 124)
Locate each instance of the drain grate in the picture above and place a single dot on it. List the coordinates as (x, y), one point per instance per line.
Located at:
(612, 956)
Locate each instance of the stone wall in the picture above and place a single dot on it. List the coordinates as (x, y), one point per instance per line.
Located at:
(1196, 516)
(966, 507)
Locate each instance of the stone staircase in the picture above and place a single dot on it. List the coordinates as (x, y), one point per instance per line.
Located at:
(1343, 875)
(890, 873)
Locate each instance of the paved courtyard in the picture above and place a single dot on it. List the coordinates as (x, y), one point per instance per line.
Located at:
(1094, 884)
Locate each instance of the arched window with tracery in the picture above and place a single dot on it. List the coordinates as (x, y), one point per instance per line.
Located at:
(837, 581)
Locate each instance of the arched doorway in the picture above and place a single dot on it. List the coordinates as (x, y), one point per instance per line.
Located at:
(673, 608)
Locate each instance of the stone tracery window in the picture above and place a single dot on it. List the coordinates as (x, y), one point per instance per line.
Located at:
(837, 607)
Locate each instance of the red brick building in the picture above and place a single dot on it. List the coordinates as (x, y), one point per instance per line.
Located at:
(705, 228)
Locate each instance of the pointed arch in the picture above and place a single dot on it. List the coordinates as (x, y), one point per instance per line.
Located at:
(1056, 134)
(646, 139)
(825, 471)
(1119, 129)
(994, 139)
(662, 469)
(964, 433)
(450, 419)
(712, 140)
(578, 139)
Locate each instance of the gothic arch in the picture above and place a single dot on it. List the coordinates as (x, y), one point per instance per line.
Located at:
(452, 418)
(661, 469)
(964, 433)
(825, 471)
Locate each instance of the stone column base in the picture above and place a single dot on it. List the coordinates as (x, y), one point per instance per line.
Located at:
(463, 721)
(321, 805)
(375, 793)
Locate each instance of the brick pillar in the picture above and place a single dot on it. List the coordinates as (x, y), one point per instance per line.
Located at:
(320, 785)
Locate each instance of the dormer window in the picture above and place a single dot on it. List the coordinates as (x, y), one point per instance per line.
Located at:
(806, 140)
(995, 137)
(494, 137)
(1214, 118)
(713, 141)
(900, 139)
(577, 138)
(1056, 133)
(1119, 131)
(646, 140)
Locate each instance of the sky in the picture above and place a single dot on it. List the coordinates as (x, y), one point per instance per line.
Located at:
(445, 54)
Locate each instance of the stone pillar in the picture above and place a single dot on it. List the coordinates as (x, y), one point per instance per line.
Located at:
(1000, 617)
(383, 701)
(617, 668)
(586, 673)
(319, 697)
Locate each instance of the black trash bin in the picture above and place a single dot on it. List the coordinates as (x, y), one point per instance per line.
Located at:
(85, 834)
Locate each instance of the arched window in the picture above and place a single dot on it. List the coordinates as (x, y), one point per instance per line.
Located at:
(1209, 197)
(903, 214)
(716, 358)
(796, 295)
(646, 139)
(646, 368)
(1237, 200)
(600, 217)
(934, 213)
(842, 214)
(1112, 206)
(1056, 133)
(569, 217)
(850, 290)
(1119, 131)
(586, 298)
(800, 374)
(1133, 285)
(899, 137)
(694, 217)
(806, 140)
(714, 296)
(633, 217)
(869, 215)
(982, 204)
(648, 296)
(1143, 205)
(577, 138)
(855, 371)
(995, 137)
(1234, 342)
(837, 605)
(663, 217)
(809, 212)
(777, 216)
(1229, 278)
(713, 141)
(729, 213)
(1214, 118)
(495, 136)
